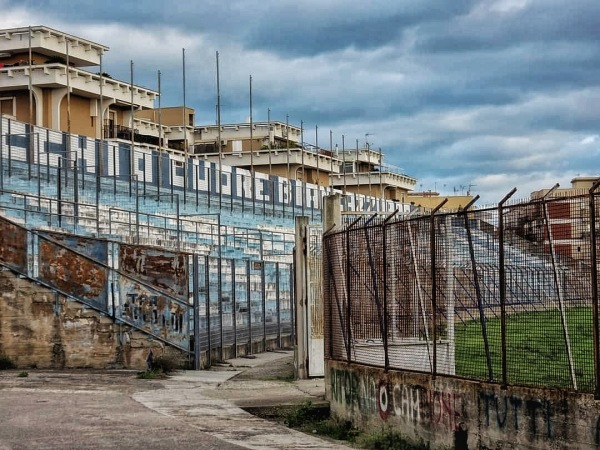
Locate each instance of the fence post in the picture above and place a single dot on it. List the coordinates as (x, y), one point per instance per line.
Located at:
(207, 308)
(1, 153)
(432, 243)
(234, 308)
(386, 363)
(278, 304)
(248, 291)
(300, 288)
(263, 289)
(594, 274)
(558, 286)
(477, 287)
(195, 274)
(502, 283)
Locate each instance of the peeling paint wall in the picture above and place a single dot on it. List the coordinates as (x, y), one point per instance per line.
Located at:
(159, 268)
(39, 328)
(452, 413)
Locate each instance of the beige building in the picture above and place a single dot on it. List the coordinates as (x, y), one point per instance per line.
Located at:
(569, 228)
(53, 79)
(431, 199)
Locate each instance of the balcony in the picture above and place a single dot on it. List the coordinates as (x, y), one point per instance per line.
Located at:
(124, 133)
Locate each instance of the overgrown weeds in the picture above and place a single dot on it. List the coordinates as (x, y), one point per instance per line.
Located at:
(311, 419)
(6, 363)
(161, 367)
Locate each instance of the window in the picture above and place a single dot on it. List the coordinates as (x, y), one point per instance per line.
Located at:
(8, 106)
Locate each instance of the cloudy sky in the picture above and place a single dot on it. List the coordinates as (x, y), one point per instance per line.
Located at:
(484, 95)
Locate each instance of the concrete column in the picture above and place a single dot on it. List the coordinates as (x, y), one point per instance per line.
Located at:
(301, 296)
(332, 212)
(57, 96)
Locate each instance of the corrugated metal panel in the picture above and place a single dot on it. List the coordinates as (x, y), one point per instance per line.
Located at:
(13, 245)
(164, 270)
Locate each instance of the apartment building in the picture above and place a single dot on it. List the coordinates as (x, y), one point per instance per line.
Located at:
(55, 80)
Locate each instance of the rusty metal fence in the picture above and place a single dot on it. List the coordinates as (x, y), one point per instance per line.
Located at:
(507, 294)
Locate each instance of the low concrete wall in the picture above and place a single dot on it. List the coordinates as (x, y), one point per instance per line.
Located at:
(452, 413)
(39, 328)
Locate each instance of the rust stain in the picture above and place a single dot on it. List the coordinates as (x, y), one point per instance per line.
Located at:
(72, 273)
(13, 245)
(167, 271)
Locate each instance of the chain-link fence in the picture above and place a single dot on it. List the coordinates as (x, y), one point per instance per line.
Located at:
(507, 294)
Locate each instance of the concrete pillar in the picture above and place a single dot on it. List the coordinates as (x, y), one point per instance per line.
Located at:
(332, 212)
(301, 296)
(57, 96)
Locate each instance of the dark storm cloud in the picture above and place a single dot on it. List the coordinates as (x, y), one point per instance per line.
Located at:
(464, 92)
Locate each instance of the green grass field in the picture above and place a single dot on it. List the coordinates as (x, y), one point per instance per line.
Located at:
(536, 349)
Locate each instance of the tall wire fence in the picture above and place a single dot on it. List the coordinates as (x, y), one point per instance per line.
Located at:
(506, 294)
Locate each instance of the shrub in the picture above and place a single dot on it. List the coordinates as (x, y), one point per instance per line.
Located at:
(6, 363)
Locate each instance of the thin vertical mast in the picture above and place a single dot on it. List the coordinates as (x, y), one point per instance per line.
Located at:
(317, 148)
(287, 148)
(357, 174)
(132, 132)
(99, 161)
(252, 180)
(302, 163)
(251, 134)
(269, 130)
(160, 139)
(219, 144)
(185, 141)
(30, 156)
(331, 160)
(344, 161)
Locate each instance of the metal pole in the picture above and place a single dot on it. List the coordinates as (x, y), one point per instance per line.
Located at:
(131, 151)
(318, 174)
(344, 164)
(558, 286)
(287, 151)
(31, 119)
(594, 276)
(357, 176)
(219, 143)
(185, 141)
(249, 307)
(386, 279)
(137, 213)
(99, 162)
(252, 175)
(195, 296)
(269, 131)
(234, 308)
(432, 248)
(502, 282)
(331, 161)
(1, 152)
(477, 287)
(303, 193)
(160, 140)
(264, 306)
(278, 304)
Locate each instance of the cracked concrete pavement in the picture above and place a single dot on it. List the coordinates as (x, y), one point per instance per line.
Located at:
(90, 409)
